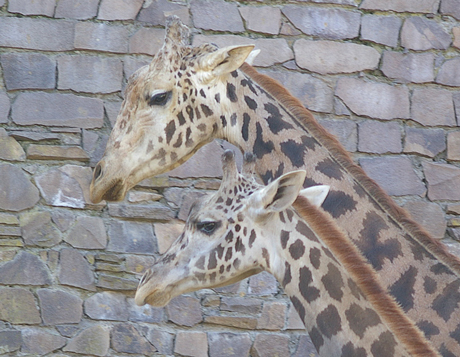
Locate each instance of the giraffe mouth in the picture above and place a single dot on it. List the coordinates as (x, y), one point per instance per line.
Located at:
(156, 298)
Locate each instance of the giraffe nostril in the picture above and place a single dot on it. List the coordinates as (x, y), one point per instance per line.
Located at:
(97, 172)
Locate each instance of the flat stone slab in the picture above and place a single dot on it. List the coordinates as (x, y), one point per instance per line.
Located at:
(59, 307)
(25, 269)
(18, 306)
(23, 196)
(94, 340)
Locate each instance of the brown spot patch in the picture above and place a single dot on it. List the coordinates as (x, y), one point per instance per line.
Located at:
(359, 319)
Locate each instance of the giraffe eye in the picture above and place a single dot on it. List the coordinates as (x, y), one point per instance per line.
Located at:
(207, 227)
(159, 98)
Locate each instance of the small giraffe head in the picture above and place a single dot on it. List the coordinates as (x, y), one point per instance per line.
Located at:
(223, 240)
(166, 115)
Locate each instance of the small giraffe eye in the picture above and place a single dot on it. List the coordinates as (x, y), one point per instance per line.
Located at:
(207, 227)
(159, 98)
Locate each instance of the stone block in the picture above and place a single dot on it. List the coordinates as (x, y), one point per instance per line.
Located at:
(379, 137)
(314, 93)
(28, 71)
(112, 282)
(145, 313)
(226, 344)
(263, 284)
(453, 146)
(243, 305)
(443, 181)
(305, 347)
(131, 237)
(8, 231)
(39, 342)
(426, 142)
(17, 306)
(432, 107)
(294, 322)
(429, 215)
(54, 152)
(90, 74)
(59, 307)
(163, 341)
(184, 311)
(395, 175)
(456, 33)
(138, 264)
(155, 211)
(10, 341)
(94, 340)
(423, 6)
(88, 233)
(263, 19)
(381, 29)
(450, 7)
(119, 9)
(37, 230)
(26, 7)
(270, 345)
(74, 270)
(156, 11)
(449, 73)
(420, 34)
(57, 109)
(25, 269)
(345, 130)
(107, 306)
(4, 107)
(376, 100)
(25, 135)
(324, 22)
(334, 57)
(272, 317)
(287, 29)
(126, 339)
(10, 149)
(24, 195)
(167, 233)
(76, 9)
(410, 67)
(241, 322)
(216, 15)
(146, 41)
(31, 33)
(191, 344)
(101, 37)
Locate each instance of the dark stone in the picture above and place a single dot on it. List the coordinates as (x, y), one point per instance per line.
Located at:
(131, 237)
(25, 269)
(185, 311)
(59, 307)
(39, 342)
(75, 270)
(155, 211)
(37, 229)
(228, 344)
(94, 340)
(107, 306)
(10, 341)
(16, 191)
(125, 338)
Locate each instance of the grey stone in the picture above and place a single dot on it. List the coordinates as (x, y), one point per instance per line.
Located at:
(450, 7)
(59, 307)
(28, 71)
(125, 338)
(410, 67)
(155, 211)
(10, 341)
(39, 342)
(423, 6)
(453, 146)
(263, 284)
(449, 73)
(24, 135)
(138, 264)
(443, 181)
(131, 237)
(226, 344)
(67, 330)
(130, 65)
(16, 191)
(419, 34)
(432, 106)
(241, 304)
(163, 341)
(270, 345)
(4, 107)
(107, 306)
(305, 347)
(57, 109)
(378, 137)
(394, 174)
(294, 322)
(90, 74)
(429, 215)
(26, 7)
(345, 130)
(147, 41)
(88, 233)
(10, 149)
(263, 19)
(75, 270)
(101, 37)
(272, 51)
(25, 269)
(216, 15)
(191, 344)
(77, 9)
(119, 9)
(18, 306)
(94, 340)
(184, 310)
(381, 29)
(325, 22)
(189, 200)
(112, 282)
(157, 10)
(145, 313)
(426, 142)
(37, 230)
(334, 57)
(272, 317)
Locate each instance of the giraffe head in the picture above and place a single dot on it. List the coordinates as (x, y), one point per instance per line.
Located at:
(166, 115)
(224, 240)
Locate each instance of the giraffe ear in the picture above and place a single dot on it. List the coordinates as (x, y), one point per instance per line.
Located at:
(279, 194)
(315, 194)
(225, 60)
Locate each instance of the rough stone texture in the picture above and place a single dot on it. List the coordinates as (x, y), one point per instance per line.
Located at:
(329, 23)
(449, 73)
(17, 306)
(394, 174)
(125, 338)
(453, 146)
(145, 313)
(429, 215)
(389, 133)
(23, 196)
(346, 132)
(131, 237)
(111, 282)
(88, 233)
(263, 19)
(163, 341)
(443, 181)
(450, 7)
(424, 6)
(263, 284)
(37, 7)
(305, 347)
(28, 71)
(431, 107)
(25, 269)
(4, 107)
(270, 346)
(147, 41)
(241, 305)
(154, 211)
(119, 9)
(155, 12)
(54, 152)
(410, 67)
(419, 33)
(10, 149)
(101, 37)
(75, 270)
(59, 307)
(334, 57)
(77, 9)
(38, 342)
(37, 230)
(184, 310)
(94, 340)
(10, 341)
(381, 29)
(107, 306)
(426, 142)
(376, 100)
(272, 317)
(229, 344)
(241, 322)
(191, 344)
(216, 15)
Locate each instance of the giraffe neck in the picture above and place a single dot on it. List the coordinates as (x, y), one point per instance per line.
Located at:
(264, 119)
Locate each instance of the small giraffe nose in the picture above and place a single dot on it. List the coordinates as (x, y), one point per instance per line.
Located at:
(97, 172)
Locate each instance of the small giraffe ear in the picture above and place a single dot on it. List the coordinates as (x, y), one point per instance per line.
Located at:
(279, 194)
(315, 194)
(225, 60)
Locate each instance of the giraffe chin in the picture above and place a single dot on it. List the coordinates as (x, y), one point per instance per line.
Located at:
(156, 298)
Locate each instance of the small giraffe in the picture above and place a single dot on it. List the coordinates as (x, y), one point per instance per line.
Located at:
(245, 228)
(189, 95)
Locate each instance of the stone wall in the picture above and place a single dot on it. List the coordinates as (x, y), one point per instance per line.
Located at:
(383, 76)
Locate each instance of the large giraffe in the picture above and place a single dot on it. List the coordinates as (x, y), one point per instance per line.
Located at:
(245, 228)
(188, 96)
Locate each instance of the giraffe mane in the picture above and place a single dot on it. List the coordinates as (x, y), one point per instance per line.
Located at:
(307, 120)
(365, 278)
